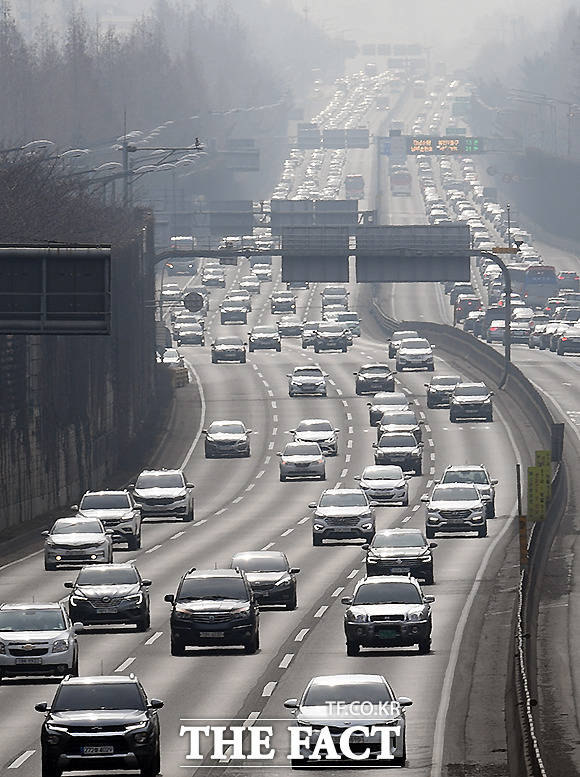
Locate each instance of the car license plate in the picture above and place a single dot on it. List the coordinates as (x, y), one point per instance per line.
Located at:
(28, 661)
(357, 738)
(97, 750)
(211, 633)
(388, 633)
(106, 610)
(403, 570)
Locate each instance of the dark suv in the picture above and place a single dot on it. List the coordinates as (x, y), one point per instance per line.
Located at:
(112, 593)
(100, 723)
(214, 607)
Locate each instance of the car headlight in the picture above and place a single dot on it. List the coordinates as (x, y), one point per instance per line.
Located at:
(60, 646)
(372, 560)
(52, 729)
(357, 617)
(183, 612)
(242, 613)
(285, 581)
(77, 599)
(414, 616)
(135, 598)
(2, 649)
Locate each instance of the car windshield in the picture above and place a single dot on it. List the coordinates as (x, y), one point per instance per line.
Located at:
(229, 341)
(378, 369)
(283, 295)
(212, 588)
(264, 330)
(191, 328)
(160, 480)
(314, 426)
(415, 345)
(387, 593)
(455, 494)
(331, 328)
(399, 540)
(302, 449)
(311, 325)
(399, 418)
(465, 476)
(29, 619)
(98, 696)
(107, 575)
(403, 334)
(321, 694)
(393, 398)
(348, 499)
(451, 380)
(74, 527)
(105, 502)
(383, 473)
(308, 372)
(171, 353)
(273, 563)
(227, 427)
(347, 316)
(471, 391)
(397, 441)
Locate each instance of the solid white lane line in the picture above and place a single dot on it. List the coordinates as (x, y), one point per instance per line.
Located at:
(189, 453)
(268, 689)
(268, 546)
(285, 662)
(125, 664)
(287, 532)
(19, 560)
(321, 610)
(352, 574)
(176, 535)
(154, 548)
(301, 634)
(301, 521)
(153, 638)
(21, 759)
(338, 591)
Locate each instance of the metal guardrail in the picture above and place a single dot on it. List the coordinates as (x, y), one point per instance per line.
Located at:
(524, 748)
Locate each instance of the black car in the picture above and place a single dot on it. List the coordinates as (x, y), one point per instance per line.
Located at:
(228, 349)
(233, 312)
(372, 378)
(471, 400)
(103, 722)
(440, 389)
(400, 448)
(214, 607)
(193, 334)
(227, 438)
(331, 336)
(271, 577)
(400, 552)
(112, 593)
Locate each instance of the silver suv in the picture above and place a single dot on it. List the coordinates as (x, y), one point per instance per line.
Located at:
(37, 639)
(117, 510)
(342, 513)
(478, 475)
(163, 493)
(455, 508)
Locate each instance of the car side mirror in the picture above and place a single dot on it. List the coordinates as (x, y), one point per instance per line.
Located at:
(131, 486)
(404, 701)
(432, 545)
(78, 627)
(109, 532)
(346, 600)
(249, 431)
(288, 375)
(69, 584)
(170, 598)
(424, 498)
(494, 482)
(429, 599)
(156, 704)
(190, 485)
(356, 477)
(294, 570)
(45, 533)
(491, 393)
(366, 546)
(312, 505)
(146, 583)
(42, 707)
(204, 431)
(374, 504)
(426, 385)
(74, 507)
(325, 374)
(291, 704)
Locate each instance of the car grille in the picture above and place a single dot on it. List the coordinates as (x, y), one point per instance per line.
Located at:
(455, 514)
(217, 617)
(163, 500)
(16, 651)
(116, 740)
(349, 520)
(92, 729)
(386, 618)
(83, 546)
(107, 602)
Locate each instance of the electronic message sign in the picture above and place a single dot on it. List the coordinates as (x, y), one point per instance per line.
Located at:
(423, 144)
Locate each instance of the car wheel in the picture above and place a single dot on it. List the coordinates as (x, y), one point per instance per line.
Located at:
(531, 346)
(491, 510)
(291, 605)
(134, 542)
(419, 469)
(316, 540)
(144, 623)
(323, 476)
(490, 417)
(482, 532)
(290, 393)
(213, 360)
(398, 367)
(304, 346)
(74, 670)
(247, 453)
(243, 359)
(429, 579)
(425, 646)
(188, 517)
(344, 349)
(452, 418)
(429, 533)
(279, 347)
(252, 645)
(316, 349)
(430, 404)
(431, 368)
(49, 768)
(282, 478)
(177, 647)
(152, 767)
(405, 502)
(352, 648)
(251, 348)
(49, 566)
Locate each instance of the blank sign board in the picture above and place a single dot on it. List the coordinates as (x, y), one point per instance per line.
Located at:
(55, 290)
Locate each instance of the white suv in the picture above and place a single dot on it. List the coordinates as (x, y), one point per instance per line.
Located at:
(164, 492)
(37, 639)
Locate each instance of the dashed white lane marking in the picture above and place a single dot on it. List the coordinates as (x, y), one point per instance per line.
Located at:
(268, 689)
(321, 610)
(349, 416)
(223, 510)
(268, 546)
(338, 591)
(251, 719)
(250, 486)
(154, 548)
(350, 430)
(285, 662)
(427, 428)
(416, 507)
(274, 430)
(21, 759)
(265, 382)
(200, 523)
(274, 405)
(267, 460)
(177, 535)
(332, 383)
(301, 521)
(287, 532)
(432, 455)
(352, 574)
(349, 444)
(344, 473)
(345, 403)
(431, 470)
(126, 663)
(347, 458)
(237, 499)
(429, 483)
(431, 443)
(260, 474)
(275, 418)
(407, 518)
(339, 392)
(338, 484)
(270, 393)
(153, 638)
(406, 390)
(271, 446)
(422, 415)
(301, 634)
(260, 374)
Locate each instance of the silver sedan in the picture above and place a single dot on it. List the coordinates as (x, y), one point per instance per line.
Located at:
(302, 460)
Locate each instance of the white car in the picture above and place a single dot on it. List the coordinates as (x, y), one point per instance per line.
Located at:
(163, 493)
(385, 483)
(77, 540)
(302, 460)
(307, 380)
(318, 430)
(414, 353)
(455, 507)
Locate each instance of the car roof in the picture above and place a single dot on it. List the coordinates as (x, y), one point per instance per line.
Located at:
(374, 364)
(199, 573)
(161, 471)
(463, 467)
(343, 491)
(478, 384)
(375, 579)
(101, 680)
(31, 606)
(104, 491)
(347, 679)
(260, 554)
(389, 532)
(74, 519)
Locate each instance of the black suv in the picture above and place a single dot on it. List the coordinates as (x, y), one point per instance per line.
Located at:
(374, 377)
(214, 607)
(100, 723)
(112, 593)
